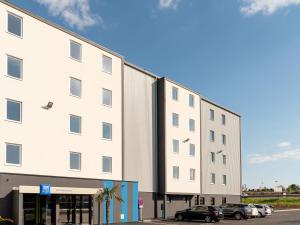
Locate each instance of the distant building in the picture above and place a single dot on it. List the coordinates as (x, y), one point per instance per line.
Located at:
(279, 189)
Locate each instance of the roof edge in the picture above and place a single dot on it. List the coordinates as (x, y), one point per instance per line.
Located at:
(61, 28)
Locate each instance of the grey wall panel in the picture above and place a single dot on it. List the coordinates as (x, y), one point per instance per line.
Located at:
(140, 151)
(232, 150)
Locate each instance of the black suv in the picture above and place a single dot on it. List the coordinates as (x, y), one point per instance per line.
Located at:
(201, 212)
(237, 211)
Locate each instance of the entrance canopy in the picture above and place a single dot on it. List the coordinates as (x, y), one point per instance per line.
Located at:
(59, 190)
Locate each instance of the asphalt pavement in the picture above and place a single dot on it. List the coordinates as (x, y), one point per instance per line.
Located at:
(277, 218)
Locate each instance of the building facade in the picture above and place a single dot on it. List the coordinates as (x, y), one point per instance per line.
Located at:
(77, 118)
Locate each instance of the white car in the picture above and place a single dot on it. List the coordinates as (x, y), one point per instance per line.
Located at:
(254, 210)
(268, 210)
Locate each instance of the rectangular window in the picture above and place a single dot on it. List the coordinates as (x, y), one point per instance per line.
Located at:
(212, 135)
(107, 131)
(212, 178)
(224, 159)
(202, 201)
(192, 174)
(175, 146)
(75, 161)
(192, 125)
(192, 150)
(212, 157)
(14, 67)
(13, 154)
(106, 64)
(106, 97)
(191, 100)
(224, 201)
(223, 139)
(15, 25)
(75, 50)
(75, 124)
(107, 164)
(212, 201)
(212, 115)
(175, 120)
(176, 172)
(224, 179)
(175, 93)
(75, 87)
(13, 110)
(223, 119)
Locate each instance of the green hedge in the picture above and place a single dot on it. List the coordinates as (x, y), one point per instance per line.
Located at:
(273, 201)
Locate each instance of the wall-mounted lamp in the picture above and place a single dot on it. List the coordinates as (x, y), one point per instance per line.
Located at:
(186, 140)
(48, 106)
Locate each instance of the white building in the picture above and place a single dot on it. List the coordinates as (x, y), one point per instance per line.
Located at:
(77, 117)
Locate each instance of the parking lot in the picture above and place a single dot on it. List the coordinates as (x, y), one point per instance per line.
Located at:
(277, 218)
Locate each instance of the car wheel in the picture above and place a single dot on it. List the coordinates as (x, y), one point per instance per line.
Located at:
(261, 215)
(180, 217)
(217, 220)
(208, 219)
(237, 216)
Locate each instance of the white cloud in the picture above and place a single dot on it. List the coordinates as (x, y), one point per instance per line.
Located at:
(168, 4)
(284, 144)
(266, 7)
(76, 13)
(263, 158)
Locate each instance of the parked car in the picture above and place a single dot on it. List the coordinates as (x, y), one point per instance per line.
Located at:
(268, 209)
(201, 212)
(261, 210)
(254, 210)
(237, 211)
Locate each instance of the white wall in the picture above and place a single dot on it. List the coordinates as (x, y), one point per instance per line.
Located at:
(183, 160)
(232, 151)
(44, 135)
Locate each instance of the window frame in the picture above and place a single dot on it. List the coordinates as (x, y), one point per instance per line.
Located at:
(80, 130)
(173, 142)
(191, 100)
(111, 132)
(212, 157)
(212, 178)
(21, 111)
(223, 119)
(224, 159)
(192, 128)
(111, 168)
(173, 172)
(22, 20)
(192, 172)
(111, 60)
(70, 87)
(70, 53)
(176, 96)
(80, 161)
(212, 136)
(20, 154)
(192, 155)
(177, 115)
(21, 65)
(212, 114)
(224, 141)
(111, 97)
(224, 178)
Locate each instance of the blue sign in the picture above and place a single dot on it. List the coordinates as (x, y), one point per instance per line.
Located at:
(45, 189)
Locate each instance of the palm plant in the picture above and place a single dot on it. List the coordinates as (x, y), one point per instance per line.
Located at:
(107, 194)
(3, 219)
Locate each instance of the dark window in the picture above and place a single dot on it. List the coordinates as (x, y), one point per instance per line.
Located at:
(212, 201)
(224, 201)
(202, 201)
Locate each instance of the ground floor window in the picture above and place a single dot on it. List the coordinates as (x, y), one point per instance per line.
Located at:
(57, 209)
(212, 201)
(224, 201)
(202, 201)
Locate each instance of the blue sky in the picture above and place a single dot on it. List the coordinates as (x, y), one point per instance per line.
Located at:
(243, 54)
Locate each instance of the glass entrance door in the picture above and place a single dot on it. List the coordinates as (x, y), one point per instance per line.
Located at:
(38, 210)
